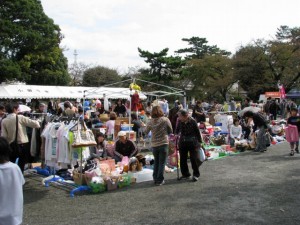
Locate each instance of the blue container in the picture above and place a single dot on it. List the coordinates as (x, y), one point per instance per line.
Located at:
(125, 127)
(216, 133)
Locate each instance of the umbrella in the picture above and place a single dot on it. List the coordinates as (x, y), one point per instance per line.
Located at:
(24, 108)
(250, 108)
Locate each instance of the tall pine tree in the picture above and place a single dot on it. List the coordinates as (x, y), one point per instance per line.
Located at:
(29, 45)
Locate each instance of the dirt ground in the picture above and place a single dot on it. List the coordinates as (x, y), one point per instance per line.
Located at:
(249, 188)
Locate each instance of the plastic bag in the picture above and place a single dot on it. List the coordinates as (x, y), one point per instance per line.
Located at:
(202, 155)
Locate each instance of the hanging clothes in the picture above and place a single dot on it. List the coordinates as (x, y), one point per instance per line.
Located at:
(106, 104)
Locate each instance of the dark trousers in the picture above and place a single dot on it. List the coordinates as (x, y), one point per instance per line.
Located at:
(24, 156)
(184, 149)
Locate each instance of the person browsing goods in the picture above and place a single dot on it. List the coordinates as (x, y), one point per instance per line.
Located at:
(189, 142)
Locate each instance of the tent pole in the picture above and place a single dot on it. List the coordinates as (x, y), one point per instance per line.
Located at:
(83, 102)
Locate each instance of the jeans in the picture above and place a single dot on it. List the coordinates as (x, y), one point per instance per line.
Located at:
(160, 156)
(186, 147)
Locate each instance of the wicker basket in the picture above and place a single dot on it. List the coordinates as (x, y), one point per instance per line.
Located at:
(79, 178)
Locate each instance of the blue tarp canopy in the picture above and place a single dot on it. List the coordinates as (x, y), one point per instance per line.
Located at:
(294, 93)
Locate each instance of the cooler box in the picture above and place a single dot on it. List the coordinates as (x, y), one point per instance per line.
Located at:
(225, 121)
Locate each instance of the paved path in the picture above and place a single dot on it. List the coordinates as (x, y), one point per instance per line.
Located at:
(249, 188)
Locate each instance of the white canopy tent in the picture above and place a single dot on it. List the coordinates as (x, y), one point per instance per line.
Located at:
(22, 91)
(110, 92)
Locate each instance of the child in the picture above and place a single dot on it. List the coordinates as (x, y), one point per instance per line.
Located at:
(11, 181)
(235, 132)
(294, 120)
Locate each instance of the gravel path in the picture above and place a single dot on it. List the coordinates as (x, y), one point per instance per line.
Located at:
(249, 188)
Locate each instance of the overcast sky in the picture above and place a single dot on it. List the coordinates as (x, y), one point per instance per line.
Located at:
(108, 32)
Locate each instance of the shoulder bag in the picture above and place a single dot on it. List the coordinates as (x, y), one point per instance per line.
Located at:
(83, 137)
(15, 150)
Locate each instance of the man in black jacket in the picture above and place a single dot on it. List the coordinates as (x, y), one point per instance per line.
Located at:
(189, 142)
(260, 123)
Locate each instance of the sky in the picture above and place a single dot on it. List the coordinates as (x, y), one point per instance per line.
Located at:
(109, 32)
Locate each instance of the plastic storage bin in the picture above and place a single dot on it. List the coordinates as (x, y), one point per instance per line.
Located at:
(142, 176)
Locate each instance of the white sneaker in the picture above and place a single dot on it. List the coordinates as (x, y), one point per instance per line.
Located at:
(161, 183)
(195, 178)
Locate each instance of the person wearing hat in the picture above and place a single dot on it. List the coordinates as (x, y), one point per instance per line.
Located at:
(124, 147)
(189, 142)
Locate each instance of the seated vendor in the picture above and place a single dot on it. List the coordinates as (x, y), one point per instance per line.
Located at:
(124, 147)
(100, 150)
(235, 132)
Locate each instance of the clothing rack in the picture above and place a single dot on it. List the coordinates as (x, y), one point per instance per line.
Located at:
(81, 187)
(59, 179)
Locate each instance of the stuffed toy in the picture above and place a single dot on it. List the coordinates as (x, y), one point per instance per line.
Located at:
(134, 165)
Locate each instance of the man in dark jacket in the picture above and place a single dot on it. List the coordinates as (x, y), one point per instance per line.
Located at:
(124, 147)
(198, 113)
(189, 142)
(261, 124)
(273, 109)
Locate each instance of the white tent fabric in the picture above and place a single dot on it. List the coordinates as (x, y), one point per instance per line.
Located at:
(21, 91)
(110, 92)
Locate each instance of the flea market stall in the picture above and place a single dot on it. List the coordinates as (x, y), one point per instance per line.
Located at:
(66, 153)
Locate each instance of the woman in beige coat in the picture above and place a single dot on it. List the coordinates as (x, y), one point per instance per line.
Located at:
(8, 131)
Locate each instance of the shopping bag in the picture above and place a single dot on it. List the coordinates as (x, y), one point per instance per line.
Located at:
(172, 146)
(173, 159)
(291, 133)
(202, 155)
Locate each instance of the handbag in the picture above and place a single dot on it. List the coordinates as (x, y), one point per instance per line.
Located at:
(83, 137)
(15, 150)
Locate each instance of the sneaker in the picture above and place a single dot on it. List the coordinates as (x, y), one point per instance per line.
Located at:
(160, 183)
(184, 177)
(195, 178)
(292, 153)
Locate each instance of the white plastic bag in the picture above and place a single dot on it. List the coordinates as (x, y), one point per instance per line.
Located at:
(202, 155)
